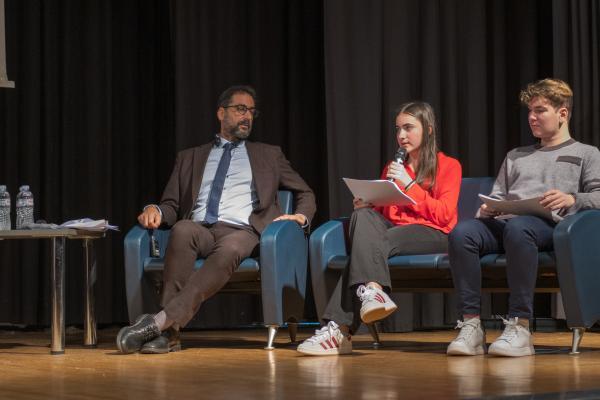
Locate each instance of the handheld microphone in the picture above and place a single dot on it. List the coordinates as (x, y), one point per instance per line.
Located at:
(400, 158)
(401, 155)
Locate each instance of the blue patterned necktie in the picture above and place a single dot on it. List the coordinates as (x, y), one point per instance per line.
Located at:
(214, 197)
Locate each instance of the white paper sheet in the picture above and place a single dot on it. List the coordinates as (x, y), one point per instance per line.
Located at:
(518, 207)
(378, 192)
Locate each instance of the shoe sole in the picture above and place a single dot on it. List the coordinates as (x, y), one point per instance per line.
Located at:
(511, 353)
(323, 353)
(376, 314)
(172, 349)
(479, 350)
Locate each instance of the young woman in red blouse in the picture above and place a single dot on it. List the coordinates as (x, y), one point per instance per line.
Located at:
(432, 179)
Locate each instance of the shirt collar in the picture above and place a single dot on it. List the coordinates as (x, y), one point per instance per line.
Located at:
(221, 142)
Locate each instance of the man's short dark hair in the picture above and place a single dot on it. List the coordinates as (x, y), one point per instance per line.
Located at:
(225, 97)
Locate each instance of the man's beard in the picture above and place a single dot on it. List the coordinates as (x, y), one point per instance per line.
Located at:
(238, 133)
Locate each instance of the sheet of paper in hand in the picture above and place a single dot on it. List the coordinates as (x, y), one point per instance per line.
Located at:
(518, 207)
(378, 192)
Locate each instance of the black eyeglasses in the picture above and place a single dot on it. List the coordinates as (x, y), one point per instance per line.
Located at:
(241, 109)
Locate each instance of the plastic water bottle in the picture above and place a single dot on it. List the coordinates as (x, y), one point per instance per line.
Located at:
(4, 209)
(24, 207)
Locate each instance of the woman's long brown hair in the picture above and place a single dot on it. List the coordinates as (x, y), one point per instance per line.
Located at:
(428, 162)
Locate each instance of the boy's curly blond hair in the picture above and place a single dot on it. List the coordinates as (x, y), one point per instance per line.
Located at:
(557, 92)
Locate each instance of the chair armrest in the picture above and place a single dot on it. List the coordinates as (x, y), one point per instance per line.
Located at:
(326, 242)
(577, 249)
(283, 269)
(137, 249)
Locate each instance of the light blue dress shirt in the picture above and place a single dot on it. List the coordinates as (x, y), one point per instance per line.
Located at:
(239, 194)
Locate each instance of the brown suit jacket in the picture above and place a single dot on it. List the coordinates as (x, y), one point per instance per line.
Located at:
(271, 171)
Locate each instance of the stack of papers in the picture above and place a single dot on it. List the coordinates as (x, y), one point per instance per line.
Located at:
(88, 224)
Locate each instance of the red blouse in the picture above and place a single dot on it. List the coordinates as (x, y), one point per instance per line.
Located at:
(436, 207)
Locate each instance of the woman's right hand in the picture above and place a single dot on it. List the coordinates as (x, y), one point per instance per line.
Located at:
(359, 203)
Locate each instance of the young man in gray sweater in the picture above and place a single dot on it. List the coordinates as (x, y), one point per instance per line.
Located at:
(566, 174)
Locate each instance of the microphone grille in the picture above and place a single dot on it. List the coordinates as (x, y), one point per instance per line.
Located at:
(401, 154)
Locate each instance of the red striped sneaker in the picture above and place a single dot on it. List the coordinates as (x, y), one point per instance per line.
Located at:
(327, 341)
(376, 304)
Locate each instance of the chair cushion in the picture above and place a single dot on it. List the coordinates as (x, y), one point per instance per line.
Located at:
(339, 263)
(440, 261)
(545, 259)
(158, 264)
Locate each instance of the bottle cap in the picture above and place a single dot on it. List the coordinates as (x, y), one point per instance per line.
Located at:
(24, 188)
(2, 188)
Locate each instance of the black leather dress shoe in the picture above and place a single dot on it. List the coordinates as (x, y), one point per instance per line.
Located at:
(167, 342)
(131, 338)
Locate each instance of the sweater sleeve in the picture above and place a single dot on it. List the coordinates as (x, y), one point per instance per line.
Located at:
(440, 208)
(589, 192)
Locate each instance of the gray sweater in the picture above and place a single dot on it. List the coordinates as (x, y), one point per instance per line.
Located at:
(570, 167)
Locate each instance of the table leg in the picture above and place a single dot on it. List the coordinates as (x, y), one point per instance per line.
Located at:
(58, 295)
(89, 338)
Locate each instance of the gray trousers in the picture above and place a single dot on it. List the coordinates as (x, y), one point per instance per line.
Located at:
(373, 239)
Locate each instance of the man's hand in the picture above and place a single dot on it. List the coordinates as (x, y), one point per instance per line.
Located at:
(359, 203)
(150, 218)
(398, 172)
(555, 200)
(487, 212)
(298, 218)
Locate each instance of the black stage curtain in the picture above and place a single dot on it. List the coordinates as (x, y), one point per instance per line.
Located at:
(576, 59)
(108, 92)
(91, 111)
(275, 46)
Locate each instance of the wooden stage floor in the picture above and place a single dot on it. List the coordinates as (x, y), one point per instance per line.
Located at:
(233, 365)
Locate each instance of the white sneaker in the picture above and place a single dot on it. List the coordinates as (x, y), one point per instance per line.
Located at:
(515, 341)
(376, 304)
(470, 340)
(327, 341)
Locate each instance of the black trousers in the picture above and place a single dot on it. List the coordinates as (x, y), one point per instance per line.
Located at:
(373, 239)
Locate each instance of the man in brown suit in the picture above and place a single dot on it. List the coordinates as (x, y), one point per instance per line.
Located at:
(219, 199)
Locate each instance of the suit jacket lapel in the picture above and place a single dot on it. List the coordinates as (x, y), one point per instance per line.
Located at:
(255, 155)
(200, 157)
